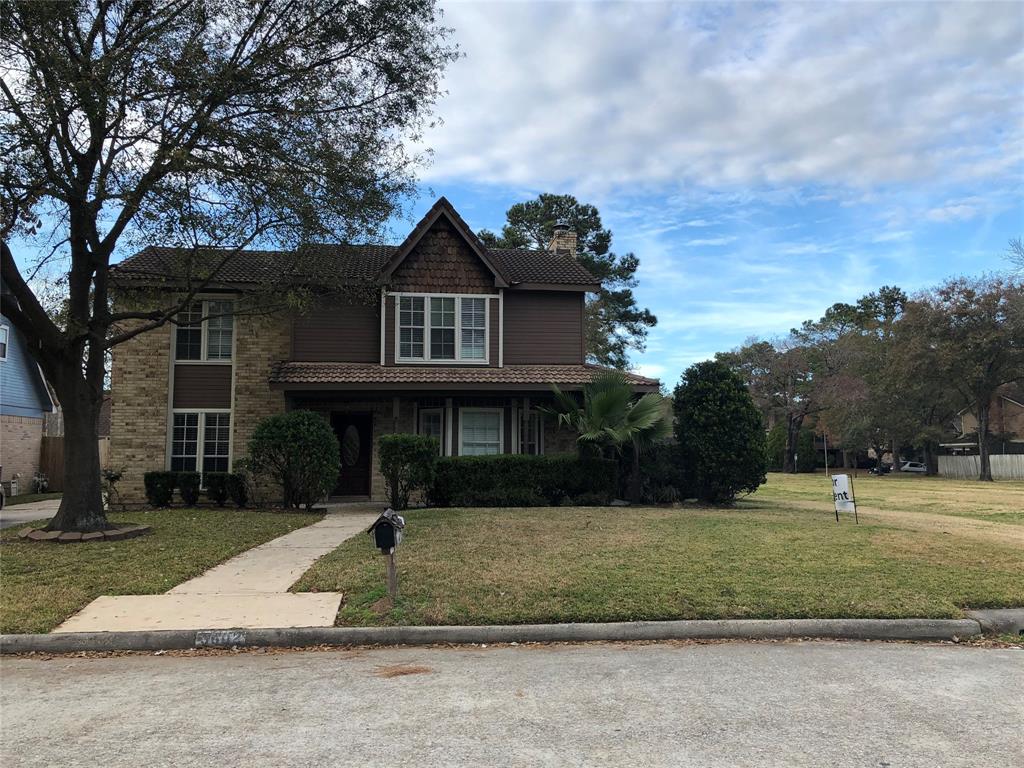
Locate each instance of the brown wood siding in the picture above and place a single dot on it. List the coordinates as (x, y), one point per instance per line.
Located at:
(339, 331)
(202, 386)
(389, 331)
(543, 327)
(493, 332)
(442, 262)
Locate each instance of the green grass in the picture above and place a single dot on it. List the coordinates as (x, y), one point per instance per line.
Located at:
(43, 584)
(760, 559)
(26, 498)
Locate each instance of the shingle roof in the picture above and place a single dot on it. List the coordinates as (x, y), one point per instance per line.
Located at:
(351, 375)
(326, 262)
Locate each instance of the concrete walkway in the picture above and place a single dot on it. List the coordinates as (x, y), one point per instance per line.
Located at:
(249, 591)
(19, 514)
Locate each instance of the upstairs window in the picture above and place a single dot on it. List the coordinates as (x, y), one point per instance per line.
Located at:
(410, 327)
(474, 329)
(440, 328)
(3, 342)
(209, 340)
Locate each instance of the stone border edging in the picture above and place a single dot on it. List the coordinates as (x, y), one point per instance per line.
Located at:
(297, 637)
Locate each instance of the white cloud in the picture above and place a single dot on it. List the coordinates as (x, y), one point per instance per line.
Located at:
(711, 241)
(698, 223)
(592, 97)
(956, 210)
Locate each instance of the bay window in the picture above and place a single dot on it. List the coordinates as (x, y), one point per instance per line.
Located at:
(442, 328)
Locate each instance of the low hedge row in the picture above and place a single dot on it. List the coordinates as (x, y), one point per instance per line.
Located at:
(522, 481)
(220, 486)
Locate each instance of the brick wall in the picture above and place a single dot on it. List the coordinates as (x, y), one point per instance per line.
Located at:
(138, 414)
(260, 342)
(20, 438)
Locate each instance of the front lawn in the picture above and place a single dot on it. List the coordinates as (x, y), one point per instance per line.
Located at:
(761, 559)
(42, 584)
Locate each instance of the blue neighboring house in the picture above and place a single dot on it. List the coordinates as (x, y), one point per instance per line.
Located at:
(24, 402)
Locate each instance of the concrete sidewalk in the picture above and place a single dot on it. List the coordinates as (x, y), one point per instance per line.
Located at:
(249, 591)
(19, 514)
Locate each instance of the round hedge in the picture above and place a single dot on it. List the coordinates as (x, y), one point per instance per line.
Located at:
(298, 452)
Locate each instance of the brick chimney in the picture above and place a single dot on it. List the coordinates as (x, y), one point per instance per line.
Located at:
(563, 240)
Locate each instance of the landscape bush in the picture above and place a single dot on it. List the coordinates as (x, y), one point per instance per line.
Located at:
(520, 480)
(719, 432)
(407, 464)
(188, 486)
(238, 489)
(217, 487)
(159, 488)
(298, 452)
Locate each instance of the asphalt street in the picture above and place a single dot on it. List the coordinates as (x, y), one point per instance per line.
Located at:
(668, 704)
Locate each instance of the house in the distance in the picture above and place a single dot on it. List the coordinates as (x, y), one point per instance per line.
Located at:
(24, 402)
(1005, 425)
(455, 340)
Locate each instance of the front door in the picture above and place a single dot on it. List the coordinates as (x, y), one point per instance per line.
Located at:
(355, 443)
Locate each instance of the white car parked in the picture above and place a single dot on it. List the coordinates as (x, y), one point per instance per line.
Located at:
(914, 466)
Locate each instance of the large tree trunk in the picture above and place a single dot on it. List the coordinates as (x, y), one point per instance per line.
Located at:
(81, 508)
(930, 459)
(985, 472)
(897, 465)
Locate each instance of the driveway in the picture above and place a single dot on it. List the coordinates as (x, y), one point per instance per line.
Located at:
(20, 514)
(720, 704)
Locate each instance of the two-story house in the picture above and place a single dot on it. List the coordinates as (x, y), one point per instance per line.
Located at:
(459, 341)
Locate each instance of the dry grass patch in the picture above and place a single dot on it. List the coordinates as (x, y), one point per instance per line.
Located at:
(43, 584)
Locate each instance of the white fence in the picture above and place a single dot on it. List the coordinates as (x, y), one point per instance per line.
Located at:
(1005, 466)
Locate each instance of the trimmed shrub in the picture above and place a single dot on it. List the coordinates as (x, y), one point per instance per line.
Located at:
(217, 487)
(159, 488)
(238, 488)
(298, 452)
(188, 487)
(719, 432)
(407, 463)
(520, 480)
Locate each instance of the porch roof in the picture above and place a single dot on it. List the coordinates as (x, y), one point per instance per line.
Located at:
(301, 375)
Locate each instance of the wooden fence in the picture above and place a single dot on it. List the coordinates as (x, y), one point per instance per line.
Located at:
(51, 462)
(1005, 466)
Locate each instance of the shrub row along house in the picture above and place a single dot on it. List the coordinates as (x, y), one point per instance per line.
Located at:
(454, 340)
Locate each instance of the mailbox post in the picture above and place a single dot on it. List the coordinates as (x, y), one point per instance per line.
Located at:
(387, 535)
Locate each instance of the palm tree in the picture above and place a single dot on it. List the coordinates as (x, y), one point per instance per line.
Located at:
(611, 417)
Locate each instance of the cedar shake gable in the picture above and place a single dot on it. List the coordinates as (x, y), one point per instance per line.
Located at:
(445, 257)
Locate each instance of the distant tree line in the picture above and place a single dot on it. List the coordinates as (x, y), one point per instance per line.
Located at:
(889, 370)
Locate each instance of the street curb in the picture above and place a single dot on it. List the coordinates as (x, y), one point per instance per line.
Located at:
(297, 637)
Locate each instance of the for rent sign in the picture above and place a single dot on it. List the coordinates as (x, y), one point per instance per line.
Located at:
(842, 494)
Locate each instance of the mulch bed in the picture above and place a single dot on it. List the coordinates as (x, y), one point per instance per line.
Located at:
(118, 533)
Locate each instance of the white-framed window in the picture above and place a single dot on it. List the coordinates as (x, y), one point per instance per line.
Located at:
(196, 340)
(481, 431)
(474, 329)
(434, 328)
(5, 336)
(432, 425)
(200, 441)
(531, 433)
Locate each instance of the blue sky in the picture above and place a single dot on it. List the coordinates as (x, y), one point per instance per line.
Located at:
(763, 161)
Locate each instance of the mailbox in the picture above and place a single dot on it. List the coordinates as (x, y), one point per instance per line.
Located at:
(387, 531)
